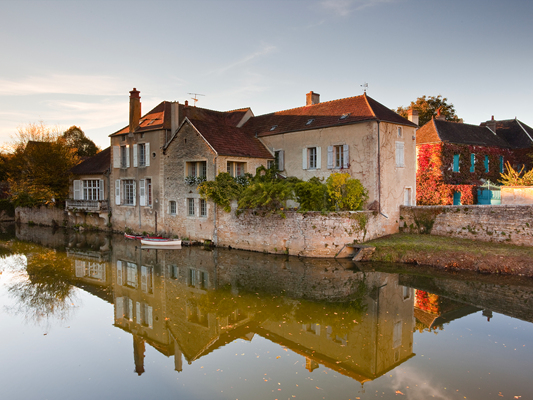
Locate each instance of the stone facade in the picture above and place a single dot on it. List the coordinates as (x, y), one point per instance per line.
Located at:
(47, 216)
(516, 195)
(494, 223)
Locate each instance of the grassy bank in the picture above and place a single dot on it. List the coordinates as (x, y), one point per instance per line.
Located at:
(455, 254)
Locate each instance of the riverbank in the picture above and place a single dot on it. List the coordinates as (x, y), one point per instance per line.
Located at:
(454, 254)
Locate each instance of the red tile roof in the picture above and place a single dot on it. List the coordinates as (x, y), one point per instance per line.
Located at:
(157, 118)
(221, 132)
(323, 115)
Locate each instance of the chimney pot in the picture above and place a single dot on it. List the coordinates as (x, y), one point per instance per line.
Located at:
(312, 98)
(186, 103)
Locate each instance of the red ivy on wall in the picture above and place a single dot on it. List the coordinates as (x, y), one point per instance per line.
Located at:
(427, 302)
(436, 182)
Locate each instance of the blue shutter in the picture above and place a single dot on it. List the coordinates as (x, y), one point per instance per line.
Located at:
(456, 163)
(486, 163)
(472, 162)
(456, 198)
(501, 164)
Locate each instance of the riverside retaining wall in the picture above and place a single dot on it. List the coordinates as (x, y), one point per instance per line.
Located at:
(309, 234)
(47, 216)
(491, 223)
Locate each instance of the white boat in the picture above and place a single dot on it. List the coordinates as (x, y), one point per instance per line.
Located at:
(161, 242)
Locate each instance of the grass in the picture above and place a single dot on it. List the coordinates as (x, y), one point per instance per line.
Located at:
(393, 247)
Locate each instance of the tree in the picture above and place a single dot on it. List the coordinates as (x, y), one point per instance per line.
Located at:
(75, 138)
(428, 107)
(39, 169)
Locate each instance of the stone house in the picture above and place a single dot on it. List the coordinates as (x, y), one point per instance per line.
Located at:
(455, 159)
(357, 135)
(88, 201)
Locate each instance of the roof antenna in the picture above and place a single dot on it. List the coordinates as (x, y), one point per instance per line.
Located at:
(364, 86)
(195, 97)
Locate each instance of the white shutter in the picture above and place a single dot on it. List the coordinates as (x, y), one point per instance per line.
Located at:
(117, 192)
(402, 158)
(142, 192)
(134, 193)
(304, 158)
(130, 309)
(138, 312)
(127, 156)
(135, 155)
(147, 154)
(119, 307)
(346, 158)
(399, 154)
(318, 157)
(330, 157)
(149, 319)
(80, 268)
(77, 190)
(281, 160)
(116, 156)
(101, 195)
(119, 273)
(144, 279)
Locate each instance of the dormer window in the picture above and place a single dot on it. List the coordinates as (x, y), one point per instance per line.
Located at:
(273, 127)
(344, 116)
(309, 122)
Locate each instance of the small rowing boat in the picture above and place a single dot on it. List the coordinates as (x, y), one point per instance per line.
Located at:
(161, 242)
(139, 237)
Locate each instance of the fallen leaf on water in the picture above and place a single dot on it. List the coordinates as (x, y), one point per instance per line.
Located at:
(278, 357)
(398, 392)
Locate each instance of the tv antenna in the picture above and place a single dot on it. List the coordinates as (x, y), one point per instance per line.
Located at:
(195, 97)
(365, 87)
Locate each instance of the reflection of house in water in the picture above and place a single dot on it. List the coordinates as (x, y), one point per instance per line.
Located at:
(191, 302)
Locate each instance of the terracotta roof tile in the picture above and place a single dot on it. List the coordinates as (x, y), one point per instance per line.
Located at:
(323, 115)
(157, 118)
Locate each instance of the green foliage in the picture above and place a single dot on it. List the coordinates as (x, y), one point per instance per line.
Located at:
(427, 108)
(345, 193)
(312, 195)
(266, 196)
(516, 178)
(75, 139)
(222, 190)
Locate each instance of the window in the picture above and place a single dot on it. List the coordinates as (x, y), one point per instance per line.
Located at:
(472, 162)
(486, 163)
(147, 279)
(400, 155)
(131, 275)
(148, 192)
(279, 160)
(174, 271)
(397, 335)
(172, 207)
(311, 158)
(338, 156)
(344, 116)
(124, 157)
(273, 127)
(399, 131)
(310, 121)
(129, 192)
(203, 208)
(190, 207)
(236, 168)
(197, 169)
(91, 189)
(141, 155)
(406, 293)
(456, 163)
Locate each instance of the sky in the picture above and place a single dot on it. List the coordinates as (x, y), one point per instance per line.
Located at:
(74, 62)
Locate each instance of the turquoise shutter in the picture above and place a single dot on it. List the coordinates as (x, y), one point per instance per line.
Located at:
(486, 163)
(501, 164)
(456, 163)
(472, 162)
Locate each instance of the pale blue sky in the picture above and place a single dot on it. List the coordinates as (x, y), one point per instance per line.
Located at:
(74, 62)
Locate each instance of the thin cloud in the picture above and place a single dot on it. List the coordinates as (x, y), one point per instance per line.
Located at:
(421, 386)
(93, 85)
(344, 8)
(265, 50)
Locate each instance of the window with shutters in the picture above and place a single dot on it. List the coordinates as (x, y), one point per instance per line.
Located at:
(142, 154)
(203, 208)
(400, 163)
(148, 192)
(311, 157)
(279, 160)
(338, 157)
(124, 157)
(131, 274)
(129, 192)
(190, 207)
(236, 168)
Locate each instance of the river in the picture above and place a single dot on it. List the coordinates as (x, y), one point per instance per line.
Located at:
(94, 316)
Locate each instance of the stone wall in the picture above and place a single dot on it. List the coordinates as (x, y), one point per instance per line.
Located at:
(41, 215)
(309, 234)
(515, 195)
(492, 223)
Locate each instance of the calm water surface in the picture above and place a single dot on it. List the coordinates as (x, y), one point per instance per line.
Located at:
(89, 316)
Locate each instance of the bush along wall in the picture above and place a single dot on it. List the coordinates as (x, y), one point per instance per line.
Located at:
(438, 180)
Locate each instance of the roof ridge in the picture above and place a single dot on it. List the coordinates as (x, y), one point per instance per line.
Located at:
(310, 105)
(369, 106)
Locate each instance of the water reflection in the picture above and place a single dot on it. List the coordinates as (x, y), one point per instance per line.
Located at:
(188, 303)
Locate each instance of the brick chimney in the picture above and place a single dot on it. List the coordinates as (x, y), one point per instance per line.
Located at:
(491, 124)
(440, 116)
(135, 109)
(312, 98)
(412, 115)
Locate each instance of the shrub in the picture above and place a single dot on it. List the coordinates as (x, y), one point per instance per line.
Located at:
(312, 195)
(516, 178)
(345, 193)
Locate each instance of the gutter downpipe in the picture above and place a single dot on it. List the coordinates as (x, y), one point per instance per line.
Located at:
(215, 240)
(379, 172)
